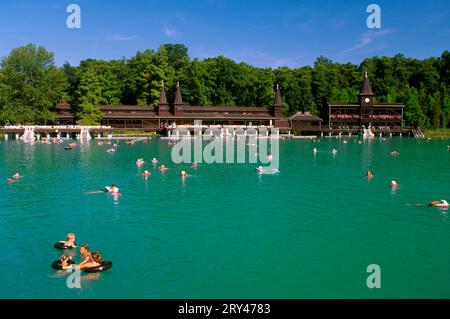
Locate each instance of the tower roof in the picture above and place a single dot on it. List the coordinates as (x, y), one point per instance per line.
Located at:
(178, 98)
(366, 88)
(162, 96)
(277, 101)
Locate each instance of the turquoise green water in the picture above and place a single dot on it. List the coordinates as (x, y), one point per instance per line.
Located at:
(226, 232)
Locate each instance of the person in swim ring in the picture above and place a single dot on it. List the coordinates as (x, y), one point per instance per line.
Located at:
(64, 260)
(85, 255)
(146, 173)
(184, 174)
(70, 241)
(394, 185)
(95, 260)
(162, 168)
(369, 175)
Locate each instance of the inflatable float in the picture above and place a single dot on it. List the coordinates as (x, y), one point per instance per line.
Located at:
(104, 266)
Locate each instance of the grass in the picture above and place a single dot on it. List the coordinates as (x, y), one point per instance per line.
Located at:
(437, 133)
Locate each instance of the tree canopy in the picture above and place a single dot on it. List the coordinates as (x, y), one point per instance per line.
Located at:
(31, 85)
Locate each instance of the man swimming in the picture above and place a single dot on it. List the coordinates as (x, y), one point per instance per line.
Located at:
(146, 173)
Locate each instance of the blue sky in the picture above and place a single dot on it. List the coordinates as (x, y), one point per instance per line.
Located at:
(259, 32)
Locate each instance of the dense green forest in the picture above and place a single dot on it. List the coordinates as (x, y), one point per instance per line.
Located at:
(31, 84)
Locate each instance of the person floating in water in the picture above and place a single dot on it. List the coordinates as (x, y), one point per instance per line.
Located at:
(70, 243)
(394, 185)
(64, 260)
(16, 176)
(86, 257)
(369, 175)
(146, 173)
(112, 189)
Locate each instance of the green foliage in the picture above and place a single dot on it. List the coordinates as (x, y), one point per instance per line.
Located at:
(30, 84)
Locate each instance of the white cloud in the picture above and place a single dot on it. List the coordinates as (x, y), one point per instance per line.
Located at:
(117, 37)
(368, 38)
(170, 32)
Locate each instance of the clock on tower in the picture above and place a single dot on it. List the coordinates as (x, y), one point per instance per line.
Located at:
(366, 95)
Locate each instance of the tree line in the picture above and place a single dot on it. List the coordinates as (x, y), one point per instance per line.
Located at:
(31, 84)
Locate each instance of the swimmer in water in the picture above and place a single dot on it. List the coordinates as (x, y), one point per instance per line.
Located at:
(184, 174)
(162, 168)
(395, 153)
(64, 260)
(16, 176)
(140, 162)
(194, 165)
(113, 189)
(394, 185)
(334, 151)
(315, 150)
(269, 158)
(154, 161)
(146, 173)
(369, 175)
(10, 180)
(259, 169)
(70, 241)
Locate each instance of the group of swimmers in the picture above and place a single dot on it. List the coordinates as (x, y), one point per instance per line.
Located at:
(140, 162)
(88, 259)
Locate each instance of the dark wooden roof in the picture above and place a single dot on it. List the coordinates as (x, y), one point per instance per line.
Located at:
(117, 108)
(63, 106)
(375, 105)
(366, 89)
(277, 101)
(162, 97)
(178, 98)
(227, 109)
(299, 116)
